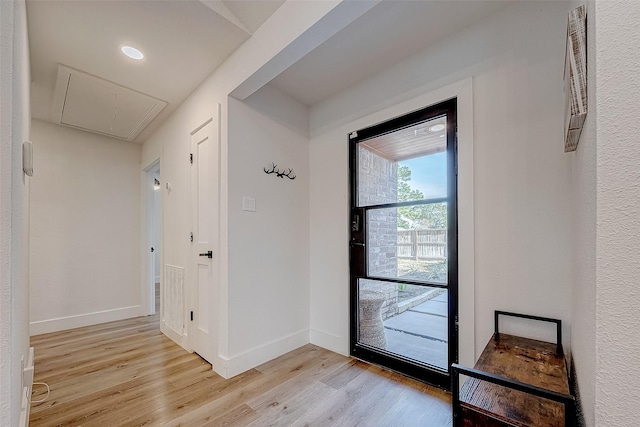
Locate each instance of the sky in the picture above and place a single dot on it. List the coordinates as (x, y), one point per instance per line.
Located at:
(429, 174)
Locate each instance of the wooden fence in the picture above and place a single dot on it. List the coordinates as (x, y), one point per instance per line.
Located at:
(422, 244)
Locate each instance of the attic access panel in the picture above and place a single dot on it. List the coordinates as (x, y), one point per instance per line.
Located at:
(96, 105)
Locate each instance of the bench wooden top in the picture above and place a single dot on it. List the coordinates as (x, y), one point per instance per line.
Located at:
(522, 359)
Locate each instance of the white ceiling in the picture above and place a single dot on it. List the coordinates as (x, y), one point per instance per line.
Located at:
(184, 41)
(387, 34)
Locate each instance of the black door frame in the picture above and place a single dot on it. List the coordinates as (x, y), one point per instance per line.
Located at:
(358, 253)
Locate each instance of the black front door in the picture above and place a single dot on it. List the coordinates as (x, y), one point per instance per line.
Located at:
(403, 247)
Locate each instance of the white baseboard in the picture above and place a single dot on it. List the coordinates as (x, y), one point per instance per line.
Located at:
(174, 336)
(87, 319)
(230, 367)
(329, 341)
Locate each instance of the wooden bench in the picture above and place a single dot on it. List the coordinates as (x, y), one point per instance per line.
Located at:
(516, 382)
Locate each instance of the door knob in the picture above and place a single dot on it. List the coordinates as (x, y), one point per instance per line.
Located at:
(208, 254)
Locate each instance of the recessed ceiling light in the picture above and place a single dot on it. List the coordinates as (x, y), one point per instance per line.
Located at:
(436, 128)
(132, 52)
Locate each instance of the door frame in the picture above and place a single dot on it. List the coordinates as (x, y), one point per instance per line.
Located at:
(414, 100)
(148, 275)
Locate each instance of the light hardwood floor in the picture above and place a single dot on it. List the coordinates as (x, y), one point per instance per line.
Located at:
(127, 373)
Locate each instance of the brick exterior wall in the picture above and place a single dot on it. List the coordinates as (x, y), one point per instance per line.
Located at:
(378, 184)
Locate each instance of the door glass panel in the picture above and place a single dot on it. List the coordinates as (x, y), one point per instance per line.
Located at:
(405, 165)
(408, 243)
(406, 321)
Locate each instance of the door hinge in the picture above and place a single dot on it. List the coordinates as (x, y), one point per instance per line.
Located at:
(191, 158)
(455, 320)
(191, 237)
(192, 316)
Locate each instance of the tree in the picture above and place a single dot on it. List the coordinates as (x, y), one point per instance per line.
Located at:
(433, 215)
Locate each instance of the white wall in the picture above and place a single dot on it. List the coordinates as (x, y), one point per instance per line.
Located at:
(292, 31)
(583, 171)
(268, 248)
(14, 207)
(618, 211)
(85, 229)
(521, 175)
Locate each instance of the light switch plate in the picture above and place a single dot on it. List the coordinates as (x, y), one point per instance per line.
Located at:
(248, 204)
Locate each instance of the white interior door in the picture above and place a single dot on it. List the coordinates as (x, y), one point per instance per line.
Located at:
(205, 261)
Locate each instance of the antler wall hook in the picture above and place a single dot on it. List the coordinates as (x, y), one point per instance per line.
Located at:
(280, 174)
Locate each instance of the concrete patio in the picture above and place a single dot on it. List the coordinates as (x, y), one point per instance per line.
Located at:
(420, 333)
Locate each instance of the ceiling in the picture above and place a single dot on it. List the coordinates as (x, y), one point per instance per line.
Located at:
(184, 41)
(419, 140)
(387, 34)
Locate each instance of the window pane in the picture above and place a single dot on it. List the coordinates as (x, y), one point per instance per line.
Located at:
(408, 242)
(423, 178)
(406, 165)
(404, 320)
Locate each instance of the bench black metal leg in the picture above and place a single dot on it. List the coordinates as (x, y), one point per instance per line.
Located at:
(455, 397)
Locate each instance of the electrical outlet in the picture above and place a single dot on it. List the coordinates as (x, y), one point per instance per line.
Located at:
(27, 371)
(27, 377)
